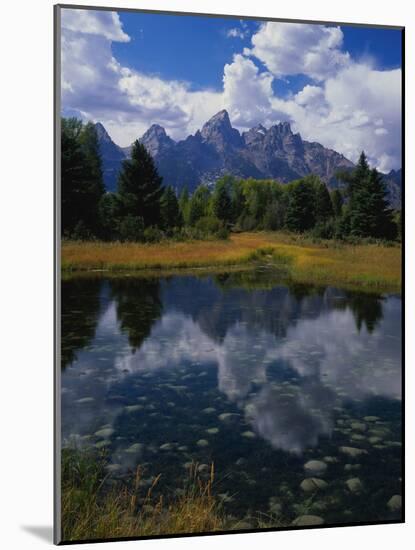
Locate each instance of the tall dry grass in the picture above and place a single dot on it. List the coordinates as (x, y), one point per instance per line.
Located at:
(373, 266)
(91, 511)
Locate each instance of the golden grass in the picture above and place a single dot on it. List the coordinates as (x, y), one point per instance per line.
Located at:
(90, 512)
(369, 266)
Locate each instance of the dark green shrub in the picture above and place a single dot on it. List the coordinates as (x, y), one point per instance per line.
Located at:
(131, 228)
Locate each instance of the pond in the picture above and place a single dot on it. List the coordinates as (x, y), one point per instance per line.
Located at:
(293, 392)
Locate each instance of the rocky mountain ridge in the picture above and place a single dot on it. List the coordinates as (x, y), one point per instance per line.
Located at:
(218, 149)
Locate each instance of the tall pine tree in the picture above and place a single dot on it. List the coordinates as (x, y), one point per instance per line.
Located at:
(323, 206)
(139, 186)
(221, 201)
(170, 212)
(81, 178)
(301, 208)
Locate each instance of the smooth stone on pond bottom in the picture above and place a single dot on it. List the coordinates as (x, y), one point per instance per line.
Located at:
(133, 408)
(350, 467)
(352, 451)
(209, 410)
(308, 519)
(203, 468)
(248, 434)
(85, 400)
(357, 437)
(354, 485)
(212, 431)
(102, 444)
(330, 459)
(135, 448)
(166, 447)
(370, 418)
(315, 466)
(359, 426)
(202, 443)
(395, 503)
(224, 417)
(106, 432)
(313, 484)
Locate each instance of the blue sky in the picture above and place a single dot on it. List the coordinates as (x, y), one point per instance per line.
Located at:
(160, 44)
(336, 85)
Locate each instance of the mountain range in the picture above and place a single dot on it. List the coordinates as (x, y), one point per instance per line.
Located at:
(218, 149)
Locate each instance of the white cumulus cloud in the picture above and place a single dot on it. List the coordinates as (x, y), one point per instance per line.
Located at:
(297, 48)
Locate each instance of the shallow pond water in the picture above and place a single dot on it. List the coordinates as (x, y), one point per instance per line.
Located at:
(293, 392)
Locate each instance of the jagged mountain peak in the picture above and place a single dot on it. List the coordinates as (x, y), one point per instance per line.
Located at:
(218, 131)
(282, 129)
(156, 140)
(102, 132)
(155, 130)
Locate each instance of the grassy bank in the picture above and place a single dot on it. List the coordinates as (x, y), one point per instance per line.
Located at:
(366, 266)
(93, 510)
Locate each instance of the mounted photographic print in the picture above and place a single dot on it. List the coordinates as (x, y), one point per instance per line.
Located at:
(229, 212)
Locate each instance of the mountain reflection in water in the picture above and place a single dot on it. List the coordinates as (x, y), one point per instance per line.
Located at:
(271, 369)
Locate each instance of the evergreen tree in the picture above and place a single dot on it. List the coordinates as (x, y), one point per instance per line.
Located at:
(381, 224)
(170, 212)
(139, 186)
(323, 205)
(184, 200)
(221, 202)
(198, 205)
(337, 202)
(110, 214)
(81, 178)
(238, 202)
(359, 199)
(301, 208)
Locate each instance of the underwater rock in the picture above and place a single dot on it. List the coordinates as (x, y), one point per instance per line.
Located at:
(102, 444)
(311, 484)
(359, 426)
(370, 418)
(351, 467)
(315, 466)
(166, 447)
(275, 507)
(357, 437)
(352, 451)
(374, 440)
(105, 432)
(248, 434)
(85, 400)
(136, 448)
(354, 485)
(133, 408)
(226, 417)
(395, 503)
(183, 448)
(209, 410)
(243, 524)
(212, 431)
(202, 443)
(330, 459)
(307, 520)
(203, 468)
